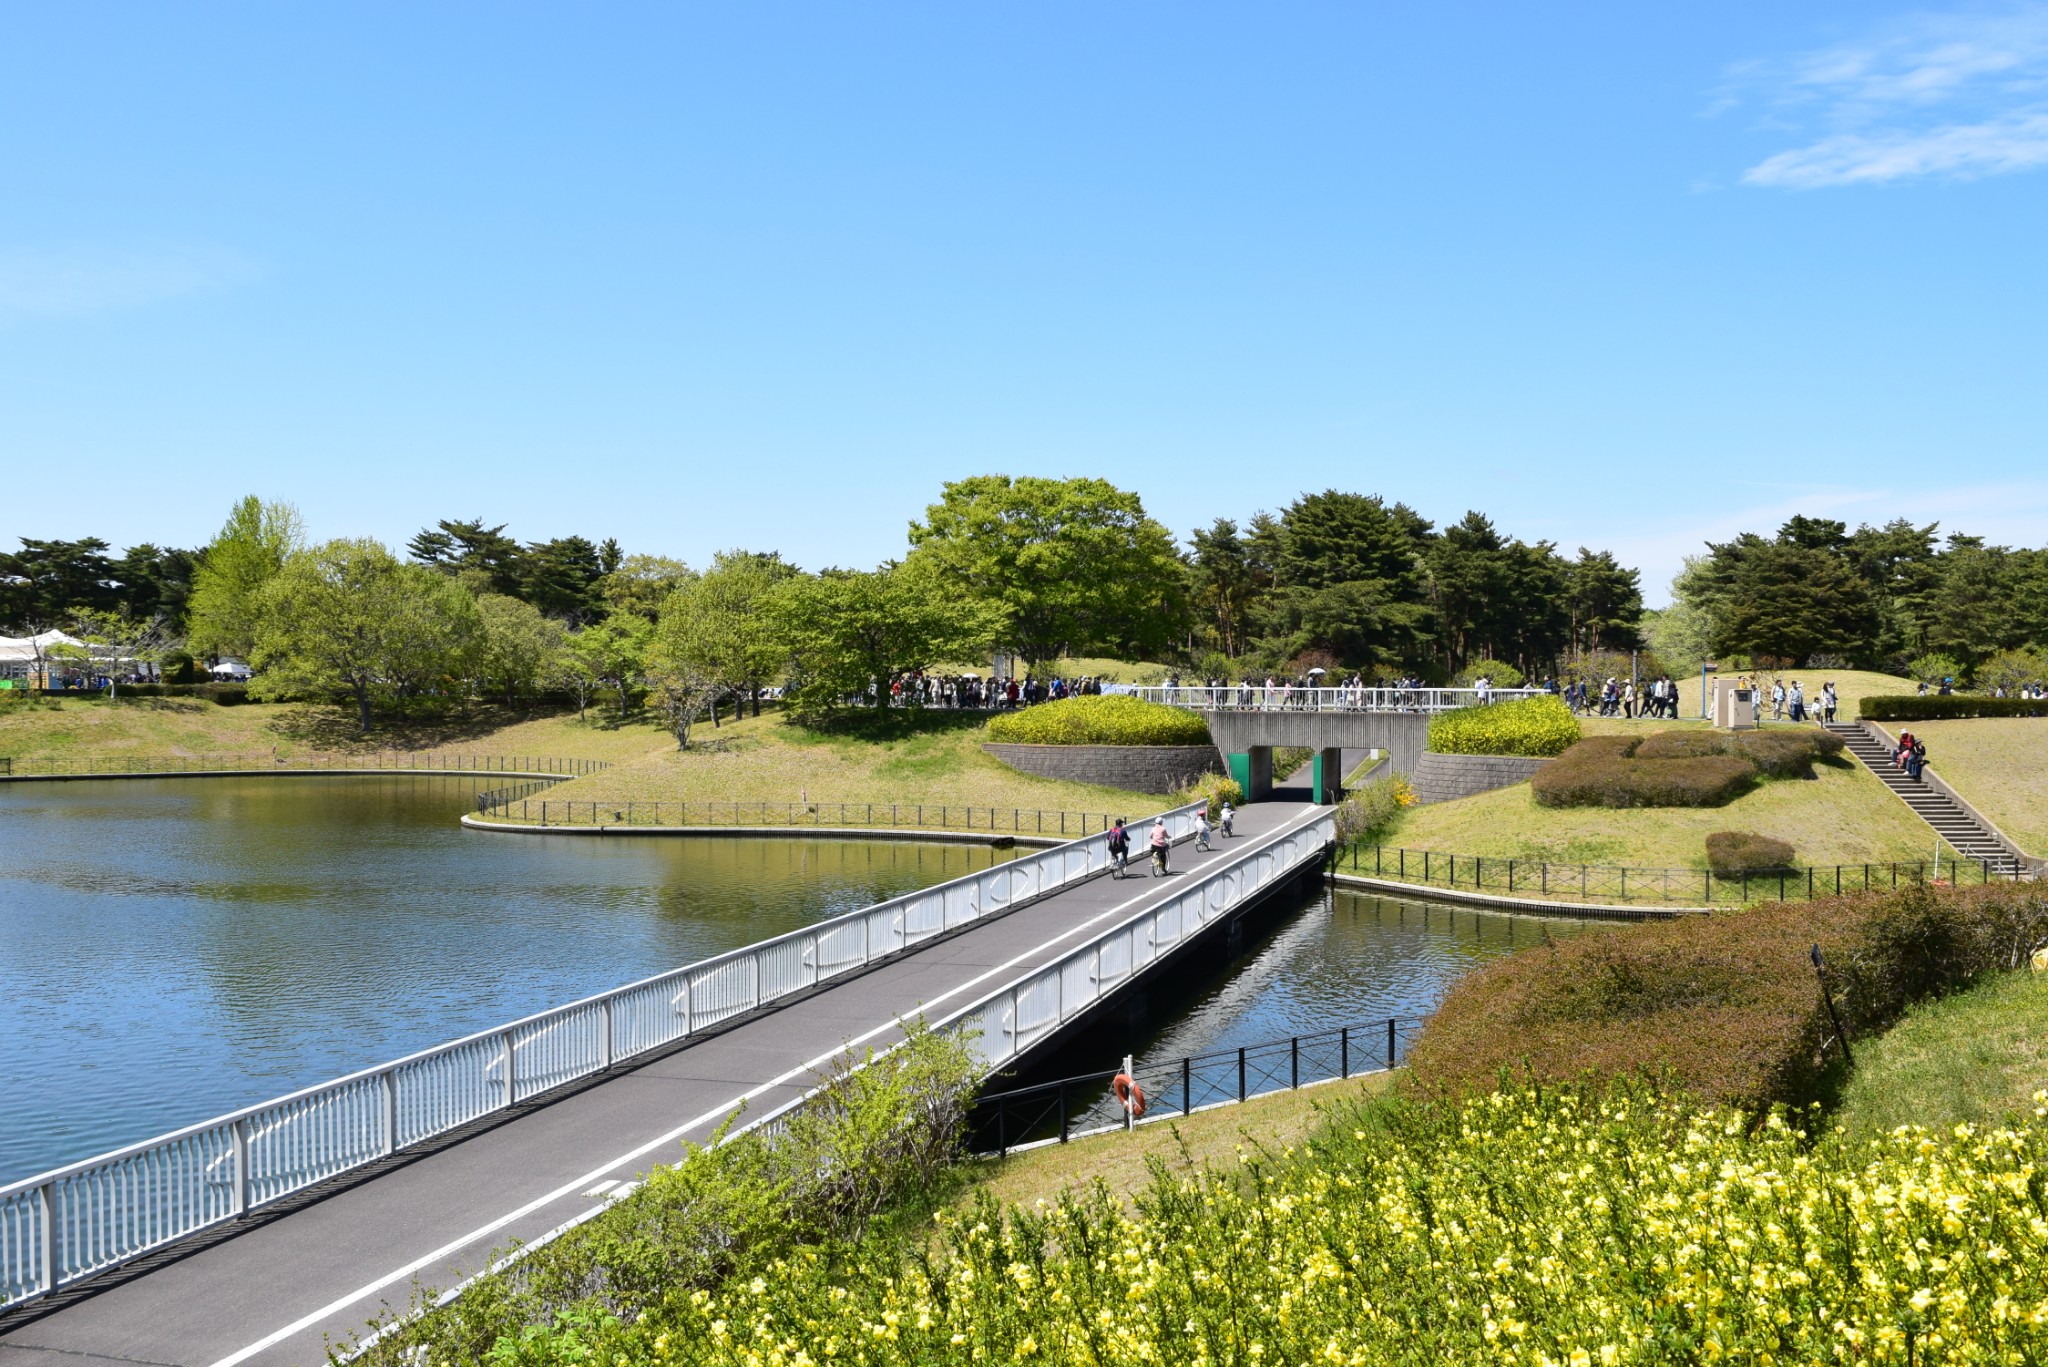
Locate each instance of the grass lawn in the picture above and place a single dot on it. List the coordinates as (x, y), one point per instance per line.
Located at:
(1977, 1057)
(1845, 816)
(766, 760)
(1206, 1138)
(94, 728)
(2000, 764)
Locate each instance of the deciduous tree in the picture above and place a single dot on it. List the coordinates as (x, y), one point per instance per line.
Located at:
(249, 551)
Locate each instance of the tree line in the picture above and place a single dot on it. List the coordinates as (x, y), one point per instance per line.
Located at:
(1039, 568)
(1897, 598)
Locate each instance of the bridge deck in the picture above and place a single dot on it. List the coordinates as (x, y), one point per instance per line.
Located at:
(276, 1292)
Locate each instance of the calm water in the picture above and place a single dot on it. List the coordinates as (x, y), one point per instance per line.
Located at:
(172, 949)
(1327, 958)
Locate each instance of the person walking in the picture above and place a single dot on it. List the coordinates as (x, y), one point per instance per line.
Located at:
(1777, 702)
(1797, 700)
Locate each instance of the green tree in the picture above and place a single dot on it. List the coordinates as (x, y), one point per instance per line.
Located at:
(852, 631)
(642, 583)
(348, 616)
(1604, 602)
(1347, 578)
(248, 552)
(47, 582)
(1973, 599)
(1778, 601)
(564, 578)
(1073, 565)
(493, 559)
(516, 643)
(115, 640)
(1225, 582)
(718, 626)
(614, 653)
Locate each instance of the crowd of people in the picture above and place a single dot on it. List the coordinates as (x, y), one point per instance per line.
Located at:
(971, 691)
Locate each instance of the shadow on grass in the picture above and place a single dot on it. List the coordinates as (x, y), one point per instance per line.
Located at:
(895, 723)
(334, 728)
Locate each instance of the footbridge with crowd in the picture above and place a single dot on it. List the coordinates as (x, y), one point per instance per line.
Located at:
(1248, 721)
(259, 1236)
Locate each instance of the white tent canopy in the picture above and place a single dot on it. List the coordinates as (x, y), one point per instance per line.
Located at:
(29, 649)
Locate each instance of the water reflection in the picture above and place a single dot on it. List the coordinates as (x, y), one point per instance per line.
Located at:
(1328, 958)
(171, 949)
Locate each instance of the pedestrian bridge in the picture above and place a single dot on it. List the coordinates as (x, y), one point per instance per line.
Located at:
(1247, 721)
(254, 1237)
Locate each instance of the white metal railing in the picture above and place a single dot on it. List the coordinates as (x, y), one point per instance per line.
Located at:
(1012, 1019)
(1026, 1011)
(1288, 698)
(72, 1222)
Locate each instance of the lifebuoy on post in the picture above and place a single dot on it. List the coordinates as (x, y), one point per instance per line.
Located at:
(1129, 1094)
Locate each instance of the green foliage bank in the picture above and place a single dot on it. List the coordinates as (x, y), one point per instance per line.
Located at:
(1100, 719)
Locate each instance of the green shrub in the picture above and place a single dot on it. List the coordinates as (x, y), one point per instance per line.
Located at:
(1934, 707)
(1724, 1004)
(1730, 854)
(1372, 811)
(1609, 771)
(1533, 727)
(1690, 744)
(1213, 790)
(1100, 719)
(1503, 674)
(879, 1144)
(1785, 754)
(1932, 669)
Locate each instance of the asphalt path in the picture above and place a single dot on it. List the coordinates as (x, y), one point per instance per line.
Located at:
(283, 1289)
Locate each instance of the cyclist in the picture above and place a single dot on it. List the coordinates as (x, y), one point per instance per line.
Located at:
(1119, 848)
(1229, 815)
(1160, 845)
(1202, 829)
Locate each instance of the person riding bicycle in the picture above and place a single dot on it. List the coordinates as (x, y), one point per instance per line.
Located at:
(1202, 829)
(1229, 815)
(1119, 848)
(1160, 845)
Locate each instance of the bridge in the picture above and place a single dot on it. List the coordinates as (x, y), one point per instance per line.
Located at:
(1247, 721)
(258, 1236)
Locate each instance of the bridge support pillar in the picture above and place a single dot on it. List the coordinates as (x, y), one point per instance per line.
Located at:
(1253, 770)
(1329, 774)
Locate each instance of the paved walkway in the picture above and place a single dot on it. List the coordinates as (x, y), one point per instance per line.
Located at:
(276, 1292)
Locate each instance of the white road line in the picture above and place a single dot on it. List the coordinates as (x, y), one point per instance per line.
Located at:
(447, 1250)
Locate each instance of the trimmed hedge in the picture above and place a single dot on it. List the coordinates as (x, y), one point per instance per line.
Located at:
(1724, 1005)
(1100, 719)
(1677, 768)
(1535, 728)
(1731, 854)
(1934, 707)
(1598, 781)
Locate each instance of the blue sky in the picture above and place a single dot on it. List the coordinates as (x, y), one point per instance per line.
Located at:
(766, 276)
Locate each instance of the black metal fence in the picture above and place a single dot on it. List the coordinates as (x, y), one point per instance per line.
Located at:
(377, 761)
(1618, 883)
(1061, 1110)
(515, 805)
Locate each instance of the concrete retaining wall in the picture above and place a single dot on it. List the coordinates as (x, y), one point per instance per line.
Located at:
(1442, 778)
(1139, 768)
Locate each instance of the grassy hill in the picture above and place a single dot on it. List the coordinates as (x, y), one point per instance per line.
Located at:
(2000, 764)
(1844, 816)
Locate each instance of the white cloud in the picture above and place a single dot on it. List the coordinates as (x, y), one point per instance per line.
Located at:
(73, 281)
(1956, 96)
(1963, 151)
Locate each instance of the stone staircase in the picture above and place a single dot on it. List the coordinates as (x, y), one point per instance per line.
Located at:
(1957, 827)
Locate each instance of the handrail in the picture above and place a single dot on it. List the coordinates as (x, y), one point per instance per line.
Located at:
(379, 761)
(1541, 878)
(516, 805)
(1288, 698)
(74, 1221)
(1332, 1054)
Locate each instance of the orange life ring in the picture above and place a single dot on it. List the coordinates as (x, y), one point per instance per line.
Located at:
(1129, 1094)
